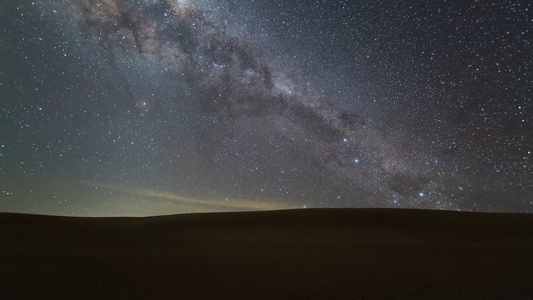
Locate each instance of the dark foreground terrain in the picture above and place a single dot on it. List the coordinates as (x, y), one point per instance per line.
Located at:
(295, 254)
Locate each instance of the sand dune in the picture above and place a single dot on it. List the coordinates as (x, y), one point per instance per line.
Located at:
(291, 254)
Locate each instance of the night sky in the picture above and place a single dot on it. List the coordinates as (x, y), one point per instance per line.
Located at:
(144, 107)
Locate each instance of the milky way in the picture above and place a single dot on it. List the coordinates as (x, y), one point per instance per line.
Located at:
(230, 81)
(213, 100)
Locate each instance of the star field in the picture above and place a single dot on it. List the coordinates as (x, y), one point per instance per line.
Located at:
(122, 107)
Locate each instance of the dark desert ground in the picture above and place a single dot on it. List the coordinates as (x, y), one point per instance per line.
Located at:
(287, 254)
